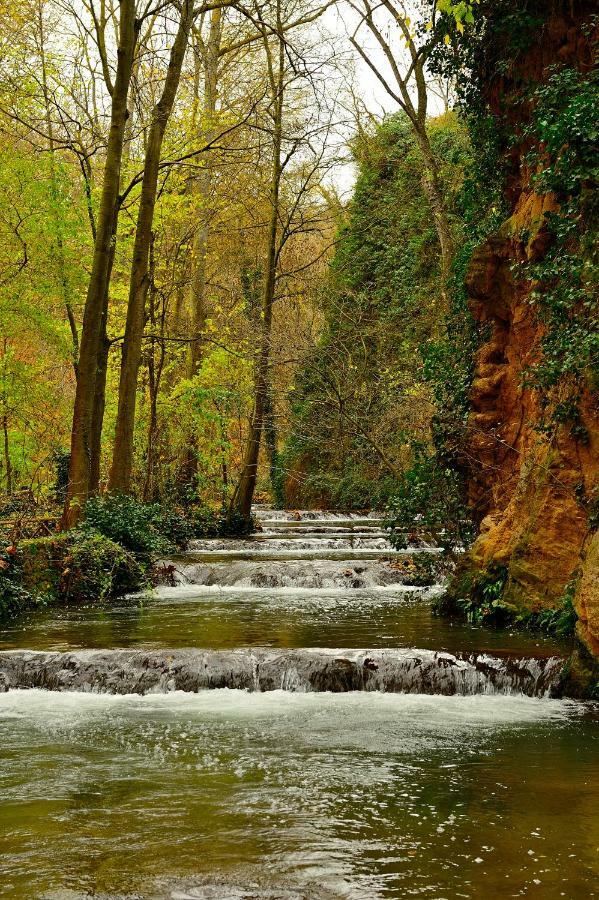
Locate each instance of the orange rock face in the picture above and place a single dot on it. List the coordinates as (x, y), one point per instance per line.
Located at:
(527, 485)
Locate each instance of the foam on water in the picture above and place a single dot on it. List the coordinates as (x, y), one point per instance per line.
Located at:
(270, 594)
(354, 707)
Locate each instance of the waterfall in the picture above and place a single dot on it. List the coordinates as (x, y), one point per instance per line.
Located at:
(406, 671)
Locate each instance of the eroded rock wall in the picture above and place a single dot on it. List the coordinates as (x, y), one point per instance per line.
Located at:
(528, 485)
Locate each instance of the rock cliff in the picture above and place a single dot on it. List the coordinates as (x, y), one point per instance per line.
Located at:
(532, 487)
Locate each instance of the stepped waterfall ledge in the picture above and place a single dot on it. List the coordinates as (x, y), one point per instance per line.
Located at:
(400, 671)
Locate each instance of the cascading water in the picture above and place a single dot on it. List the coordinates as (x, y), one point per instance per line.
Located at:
(399, 671)
(215, 741)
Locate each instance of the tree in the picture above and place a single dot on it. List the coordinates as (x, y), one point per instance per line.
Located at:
(91, 332)
(390, 24)
(289, 75)
(120, 473)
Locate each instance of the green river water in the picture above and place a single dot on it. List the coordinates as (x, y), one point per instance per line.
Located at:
(229, 794)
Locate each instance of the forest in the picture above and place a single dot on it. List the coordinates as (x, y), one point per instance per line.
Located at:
(298, 299)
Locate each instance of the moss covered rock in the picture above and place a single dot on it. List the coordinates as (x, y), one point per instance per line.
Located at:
(78, 565)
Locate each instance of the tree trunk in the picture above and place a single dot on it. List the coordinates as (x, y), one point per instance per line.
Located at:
(98, 412)
(5, 435)
(155, 370)
(100, 388)
(122, 460)
(81, 435)
(434, 195)
(241, 502)
(7, 462)
(203, 191)
(271, 447)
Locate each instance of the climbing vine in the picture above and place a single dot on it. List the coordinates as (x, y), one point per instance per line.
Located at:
(563, 132)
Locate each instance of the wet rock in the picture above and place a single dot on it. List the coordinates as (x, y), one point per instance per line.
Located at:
(394, 671)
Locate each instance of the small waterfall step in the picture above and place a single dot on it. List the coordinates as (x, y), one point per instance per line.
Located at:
(212, 570)
(406, 671)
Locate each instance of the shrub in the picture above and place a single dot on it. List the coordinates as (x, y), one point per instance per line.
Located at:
(430, 497)
(561, 620)
(95, 567)
(233, 524)
(205, 521)
(14, 596)
(142, 528)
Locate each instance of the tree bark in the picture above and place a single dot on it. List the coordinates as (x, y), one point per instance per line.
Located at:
(155, 370)
(81, 435)
(241, 501)
(434, 195)
(122, 460)
(271, 441)
(198, 312)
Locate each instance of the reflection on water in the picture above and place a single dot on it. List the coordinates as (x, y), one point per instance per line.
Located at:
(223, 619)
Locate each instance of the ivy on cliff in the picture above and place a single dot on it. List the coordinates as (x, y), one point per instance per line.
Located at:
(563, 131)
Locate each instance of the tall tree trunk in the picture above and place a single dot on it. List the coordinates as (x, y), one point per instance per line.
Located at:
(7, 462)
(434, 194)
(5, 435)
(241, 501)
(271, 446)
(155, 370)
(202, 188)
(80, 462)
(100, 389)
(122, 460)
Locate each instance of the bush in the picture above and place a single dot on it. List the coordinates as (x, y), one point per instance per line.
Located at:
(205, 521)
(349, 490)
(96, 567)
(430, 496)
(561, 620)
(233, 524)
(14, 596)
(142, 528)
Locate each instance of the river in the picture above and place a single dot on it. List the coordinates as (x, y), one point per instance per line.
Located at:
(289, 720)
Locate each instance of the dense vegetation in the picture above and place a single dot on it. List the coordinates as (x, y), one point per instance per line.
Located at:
(362, 401)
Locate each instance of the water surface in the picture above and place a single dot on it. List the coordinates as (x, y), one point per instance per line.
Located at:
(229, 795)
(357, 796)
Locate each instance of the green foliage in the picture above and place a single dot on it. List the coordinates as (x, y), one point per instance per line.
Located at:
(427, 569)
(61, 459)
(560, 620)
(14, 596)
(96, 568)
(564, 130)
(232, 524)
(360, 395)
(81, 565)
(430, 498)
(349, 490)
(478, 597)
(142, 528)
(484, 604)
